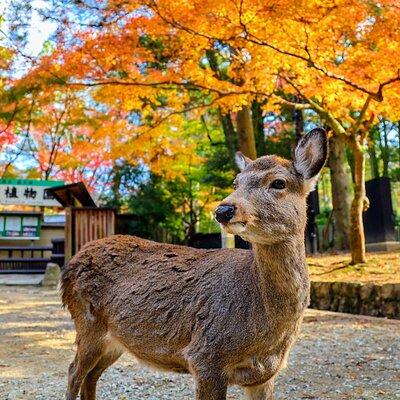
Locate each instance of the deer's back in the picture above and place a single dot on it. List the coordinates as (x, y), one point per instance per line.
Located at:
(131, 264)
(150, 293)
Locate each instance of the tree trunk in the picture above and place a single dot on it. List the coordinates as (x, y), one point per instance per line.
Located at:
(373, 159)
(245, 131)
(341, 196)
(231, 139)
(357, 237)
(258, 126)
(298, 119)
(385, 150)
(398, 140)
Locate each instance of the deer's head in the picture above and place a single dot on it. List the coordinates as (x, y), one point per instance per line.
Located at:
(268, 204)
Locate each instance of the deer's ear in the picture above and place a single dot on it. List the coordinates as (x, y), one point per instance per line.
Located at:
(310, 156)
(241, 160)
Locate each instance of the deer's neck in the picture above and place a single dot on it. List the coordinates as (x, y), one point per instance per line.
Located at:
(282, 274)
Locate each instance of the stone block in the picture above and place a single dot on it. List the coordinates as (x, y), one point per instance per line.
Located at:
(321, 295)
(357, 298)
(391, 309)
(388, 291)
(51, 275)
(366, 292)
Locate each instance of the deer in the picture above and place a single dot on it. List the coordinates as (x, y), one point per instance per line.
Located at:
(226, 316)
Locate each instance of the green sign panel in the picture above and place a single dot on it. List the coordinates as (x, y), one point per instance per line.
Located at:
(30, 182)
(16, 225)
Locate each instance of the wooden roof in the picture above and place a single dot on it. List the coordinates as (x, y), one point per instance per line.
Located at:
(73, 195)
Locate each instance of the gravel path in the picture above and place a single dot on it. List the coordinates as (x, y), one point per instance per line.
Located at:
(338, 356)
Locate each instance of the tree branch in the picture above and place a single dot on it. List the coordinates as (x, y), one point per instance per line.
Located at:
(336, 126)
(11, 119)
(378, 95)
(296, 106)
(360, 118)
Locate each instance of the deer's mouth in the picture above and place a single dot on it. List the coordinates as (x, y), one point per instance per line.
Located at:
(234, 227)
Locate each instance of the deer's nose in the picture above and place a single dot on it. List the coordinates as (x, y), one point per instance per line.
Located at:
(224, 213)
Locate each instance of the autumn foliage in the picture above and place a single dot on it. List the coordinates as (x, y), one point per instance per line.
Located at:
(127, 75)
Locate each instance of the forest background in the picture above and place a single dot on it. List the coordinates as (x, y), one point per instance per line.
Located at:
(148, 101)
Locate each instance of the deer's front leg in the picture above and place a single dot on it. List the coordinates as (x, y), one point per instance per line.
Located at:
(262, 392)
(210, 385)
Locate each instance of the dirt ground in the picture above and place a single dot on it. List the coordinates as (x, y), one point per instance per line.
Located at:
(380, 268)
(338, 356)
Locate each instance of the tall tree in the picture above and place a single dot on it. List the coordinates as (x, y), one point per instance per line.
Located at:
(339, 59)
(341, 193)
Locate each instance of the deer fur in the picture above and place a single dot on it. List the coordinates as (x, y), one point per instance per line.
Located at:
(226, 316)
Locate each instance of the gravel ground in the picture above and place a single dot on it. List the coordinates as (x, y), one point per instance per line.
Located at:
(338, 356)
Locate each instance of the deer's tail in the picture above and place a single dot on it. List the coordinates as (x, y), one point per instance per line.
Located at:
(67, 283)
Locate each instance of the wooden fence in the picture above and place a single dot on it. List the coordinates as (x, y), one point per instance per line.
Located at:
(85, 224)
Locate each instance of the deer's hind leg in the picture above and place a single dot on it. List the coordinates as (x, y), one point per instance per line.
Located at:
(90, 349)
(211, 382)
(85, 360)
(210, 387)
(88, 388)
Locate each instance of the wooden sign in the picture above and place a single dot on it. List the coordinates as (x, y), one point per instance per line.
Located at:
(28, 192)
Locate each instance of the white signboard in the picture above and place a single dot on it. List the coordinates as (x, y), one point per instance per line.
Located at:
(28, 192)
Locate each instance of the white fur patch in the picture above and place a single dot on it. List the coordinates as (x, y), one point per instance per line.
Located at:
(310, 184)
(113, 344)
(234, 227)
(240, 161)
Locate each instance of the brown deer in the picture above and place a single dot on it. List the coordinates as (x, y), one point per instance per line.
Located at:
(226, 316)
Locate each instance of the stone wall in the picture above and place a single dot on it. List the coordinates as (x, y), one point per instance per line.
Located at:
(357, 298)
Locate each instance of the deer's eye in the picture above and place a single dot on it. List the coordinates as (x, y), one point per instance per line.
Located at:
(278, 184)
(235, 185)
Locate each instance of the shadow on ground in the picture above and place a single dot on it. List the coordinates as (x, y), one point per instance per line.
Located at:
(338, 356)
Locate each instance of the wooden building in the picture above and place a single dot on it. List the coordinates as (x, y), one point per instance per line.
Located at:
(84, 220)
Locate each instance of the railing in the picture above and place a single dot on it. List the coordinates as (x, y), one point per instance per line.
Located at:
(11, 250)
(57, 255)
(30, 259)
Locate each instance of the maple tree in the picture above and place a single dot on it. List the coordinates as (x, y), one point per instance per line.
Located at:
(160, 62)
(61, 134)
(54, 136)
(7, 113)
(172, 209)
